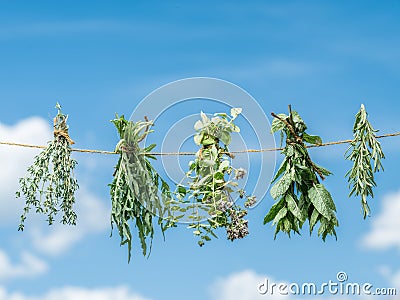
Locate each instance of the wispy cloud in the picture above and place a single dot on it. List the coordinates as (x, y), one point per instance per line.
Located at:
(241, 286)
(246, 284)
(262, 69)
(93, 217)
(37, 29)
(382, 50)
(76, 293)
(29, 266)
(384, 232)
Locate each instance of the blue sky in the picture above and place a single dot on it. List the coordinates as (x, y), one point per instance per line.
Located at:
(99, 57)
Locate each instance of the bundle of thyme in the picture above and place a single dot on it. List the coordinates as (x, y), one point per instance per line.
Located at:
(50, 185)
(134, 190)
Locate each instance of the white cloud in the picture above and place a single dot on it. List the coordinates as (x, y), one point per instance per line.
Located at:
(28, 267)
(15, 160)
(278, 67)
(76, 293)
(385, 226)
(392, 277)
(395, 279)
(63, 27)
(93, 217)
(243, 286)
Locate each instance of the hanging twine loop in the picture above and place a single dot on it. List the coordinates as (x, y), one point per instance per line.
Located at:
(61, 128)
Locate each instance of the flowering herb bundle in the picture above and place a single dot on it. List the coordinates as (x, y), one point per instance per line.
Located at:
(209, 189)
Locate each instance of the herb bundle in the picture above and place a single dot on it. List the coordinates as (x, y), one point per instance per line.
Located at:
(299, 193)
(134, 190)
(210, 190)
(366, 153)
(50, 185)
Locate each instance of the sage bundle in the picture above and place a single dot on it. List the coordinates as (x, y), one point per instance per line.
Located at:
(50, 186)
(135, 189)
(209, 188)
(297, 189)
(366, 154)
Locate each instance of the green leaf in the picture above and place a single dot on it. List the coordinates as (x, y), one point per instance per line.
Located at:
(292, 206)
(207, 141)
(182, 190)
(277, 124)
(323, 170)
(149, 148)
(306, 174)
(298, 122)
(274, 211)
(322, 200)
(312, 139)
(281, 186)
(280, 215)
(225, 137)
(314, 219)
(281, 169)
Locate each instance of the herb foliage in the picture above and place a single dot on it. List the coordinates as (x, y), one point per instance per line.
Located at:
(366, 154)
(50, 186)
(299, 194)
(135, 189)
(210, 189)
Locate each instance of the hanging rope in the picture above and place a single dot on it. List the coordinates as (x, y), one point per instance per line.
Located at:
(192, 153)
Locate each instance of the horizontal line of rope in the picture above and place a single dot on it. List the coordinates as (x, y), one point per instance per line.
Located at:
(193, 153)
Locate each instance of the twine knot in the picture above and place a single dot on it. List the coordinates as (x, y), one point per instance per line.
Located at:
(63, 131)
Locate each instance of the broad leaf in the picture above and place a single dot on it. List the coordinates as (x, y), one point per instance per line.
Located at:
(322, 200)
(274, 211)
(281, 169)
(281, 214)
(277, 124)
(292, 206)
(312, 139)
(281, 186)
(225, 137)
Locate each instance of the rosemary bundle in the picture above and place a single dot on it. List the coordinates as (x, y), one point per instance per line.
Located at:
(366, 154)
(50, 185)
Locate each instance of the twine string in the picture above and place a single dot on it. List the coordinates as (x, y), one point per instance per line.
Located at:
(190, 153)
